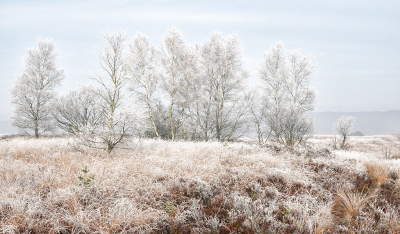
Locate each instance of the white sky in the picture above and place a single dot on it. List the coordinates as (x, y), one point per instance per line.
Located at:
(356, 43)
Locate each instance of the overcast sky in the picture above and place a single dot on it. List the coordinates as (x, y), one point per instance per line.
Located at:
(356, 43)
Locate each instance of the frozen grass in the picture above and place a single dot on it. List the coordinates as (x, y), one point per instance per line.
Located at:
(382, 146)
(199, 187)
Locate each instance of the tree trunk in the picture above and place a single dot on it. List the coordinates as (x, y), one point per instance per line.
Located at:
(171, 122)
(151, 118)
(35, 120)
(181, 121)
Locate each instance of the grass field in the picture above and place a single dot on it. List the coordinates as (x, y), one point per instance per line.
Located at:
(200, 187)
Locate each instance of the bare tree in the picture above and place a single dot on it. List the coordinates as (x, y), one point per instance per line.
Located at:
(257, 111)
(201, 109)
(343, 127)
(143, 74)
(273, 74)
(34, 89)
(191, 71)
(172, 54)
(297, 126)
(287, 94)
(78, 111)
(116, 120)
(223, 85)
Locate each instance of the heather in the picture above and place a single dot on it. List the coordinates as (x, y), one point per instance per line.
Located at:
(162, 186)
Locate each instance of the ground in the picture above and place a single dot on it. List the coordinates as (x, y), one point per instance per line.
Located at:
(200, 187)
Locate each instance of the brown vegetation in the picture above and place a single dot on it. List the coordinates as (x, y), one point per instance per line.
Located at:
(188, 187)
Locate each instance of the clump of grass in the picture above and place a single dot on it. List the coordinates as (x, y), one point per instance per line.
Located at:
(377, 173)
(347, 206)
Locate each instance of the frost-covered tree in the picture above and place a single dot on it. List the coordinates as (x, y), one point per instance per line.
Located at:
(201, 109)
(257, 111)
(162, 121)
(221, 105)
(78, 111)
(191, 72)
(33, 91)
(297, 126)
(343, 127)
(172, 54)
(118, 117)
(273, 75)
(287, 94)
(142, 71)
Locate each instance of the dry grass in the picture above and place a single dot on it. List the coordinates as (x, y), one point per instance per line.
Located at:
(198, 187)
(386, 146)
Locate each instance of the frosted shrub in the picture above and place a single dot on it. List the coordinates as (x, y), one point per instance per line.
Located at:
(343, 127)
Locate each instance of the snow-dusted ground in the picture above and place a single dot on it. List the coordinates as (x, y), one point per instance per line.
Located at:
(200, 187)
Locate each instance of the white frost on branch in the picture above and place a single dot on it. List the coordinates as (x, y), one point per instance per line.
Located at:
(143, 73)
(117, 118)
(288, 96)
(34, 89)
(78, 111)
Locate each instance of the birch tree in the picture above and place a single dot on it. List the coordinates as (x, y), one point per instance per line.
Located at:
(201, 108)
(116, 120)
(273, 74)
(191, 71)
(297, 126)
(143, 74)
(223, 84)
(33, 91)
(287, 93)
(172, 54)
(257, 112)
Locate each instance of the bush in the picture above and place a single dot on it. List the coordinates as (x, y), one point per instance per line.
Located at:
(357, 133)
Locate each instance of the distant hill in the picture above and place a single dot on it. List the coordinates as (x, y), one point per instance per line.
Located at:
(369, 123)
